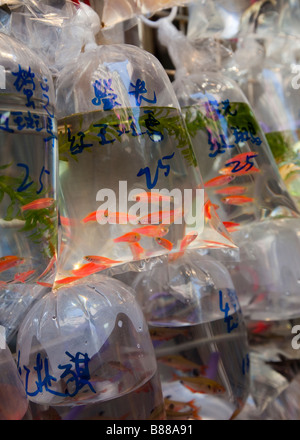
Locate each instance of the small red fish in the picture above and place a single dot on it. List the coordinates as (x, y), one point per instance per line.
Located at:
(130, 237)
(10, 261)
(210, 243)
(237, 200)
(116, 218)
(207, 209)
(49, 267)
(67, 280)
(259, 327)
(152, 230)
(242, 157)
(151, 197)
(165, 217)
(23, 276)
(101, 260)
(137, 250)
(92, 217)
(164, 242)
(88, 269)
(191, 236)
(231, 226)
(231, 190)
(242, 172)
(44, 284)
(38, 204)
(218, 181)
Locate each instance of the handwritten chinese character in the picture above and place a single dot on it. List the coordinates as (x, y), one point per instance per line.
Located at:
(150, 122)
(226, 108)
(246, 134)
(25, 81)
(104, 94)
(4, 122)
(102, 134)
(80, 377)
(139, 89)
(76, 148)
(215, 146)
(161, 166)
(228, 318)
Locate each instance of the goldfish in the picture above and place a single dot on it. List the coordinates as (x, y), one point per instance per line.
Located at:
(242, 157)
(229, 170)
(88, 269)
(165, 217)
(207, 208)
(92, 217)
(181, 363)
(231, 190)
(152, 230)
(10, 261)
(130, 237)
(175, 405)
(101, 260)
(201, 384)
(67, 280)
(137, 250)
(119, 217)
(151, 197)
(231, 226)
(164, 242)
(219, 181)
(23, 276)
(237, 200)
(38, 204)
(49, 267)
(44, 284)
(187, 240)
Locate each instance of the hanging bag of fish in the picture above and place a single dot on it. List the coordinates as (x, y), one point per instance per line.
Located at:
(13, 399)
(28, 160)
(199, 336)
(241, 178)
(84, 353)
(129, 181)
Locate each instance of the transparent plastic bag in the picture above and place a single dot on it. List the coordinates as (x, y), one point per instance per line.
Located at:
(13, 399)
(28, 161)
(122, 141)
(199, 336)
(89, 345)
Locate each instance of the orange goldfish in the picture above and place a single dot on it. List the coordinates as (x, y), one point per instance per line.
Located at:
(92, 217)
(67, 280)
(130, 237)
(152, 230)
(218, 181)
(165, 217)
(101, 260)
(164, 242)
(137, 250)
(228, 170)
(231, 226)
(201, 384)
(151, 197)
(242, 157)
(10, 261)
(231, 190)
(190, 236)
(181, 363)
(175, 405)
(23, 276)
(237, 200)
(207, 209)
(38, 204)
(119, 217)
(44, 284)
(88, 269)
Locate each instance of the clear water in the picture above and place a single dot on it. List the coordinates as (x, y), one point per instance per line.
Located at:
(143, 402)
(201, 352)
(98, 150)
(28, 163)
(256, 176)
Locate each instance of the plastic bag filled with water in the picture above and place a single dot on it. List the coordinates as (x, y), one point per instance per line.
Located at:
(198, 334)
(130, 186)
(84, 352)
(28, 161)
(13, 399)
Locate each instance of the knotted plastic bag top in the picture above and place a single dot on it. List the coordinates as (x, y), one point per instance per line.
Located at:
(28, 177)
(84, 344)
(129, 180)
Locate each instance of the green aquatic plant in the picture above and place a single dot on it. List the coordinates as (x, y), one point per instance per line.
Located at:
(40, 225)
